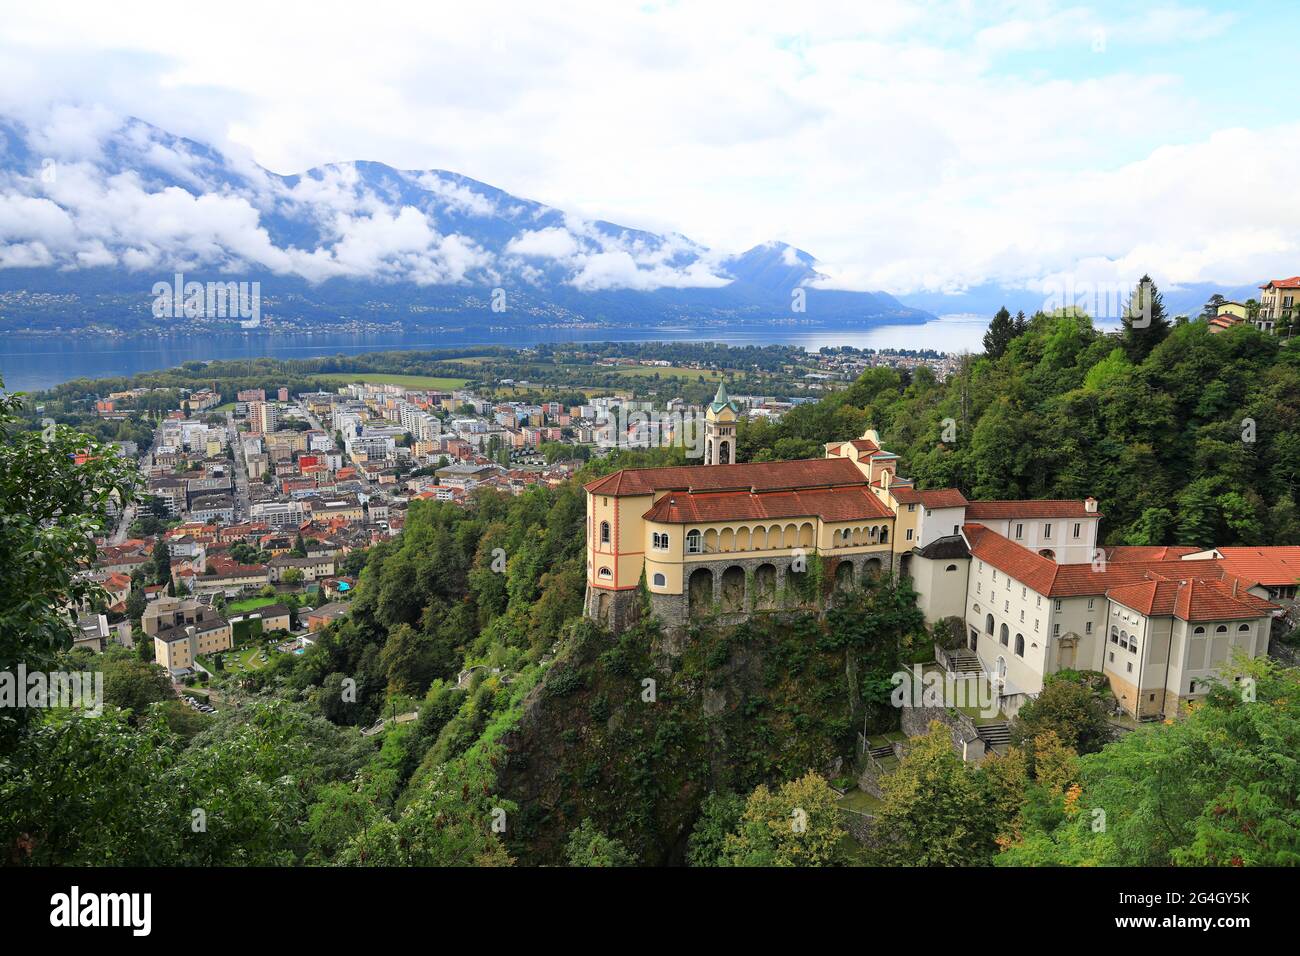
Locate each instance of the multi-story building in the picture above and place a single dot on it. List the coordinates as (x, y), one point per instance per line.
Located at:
(263, 417)
(312, 569)
(1036, 593)
(1278, 302)
(1158, 629)
(171, 492)
(213, 508)
(182, 629)
(279, 514)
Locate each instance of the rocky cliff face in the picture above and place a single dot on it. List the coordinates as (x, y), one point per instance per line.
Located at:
(634, 733)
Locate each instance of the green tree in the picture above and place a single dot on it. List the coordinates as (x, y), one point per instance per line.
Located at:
(933, 812)
(720, 815)
(1154, 527)
(1144, 322)
(132, 684)
(53, 502)
(1068, 707)
(797, 825)
(999, 335)
(1216, 787)
(587, 846)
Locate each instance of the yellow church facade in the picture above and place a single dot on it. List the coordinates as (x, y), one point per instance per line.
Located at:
(734, 539)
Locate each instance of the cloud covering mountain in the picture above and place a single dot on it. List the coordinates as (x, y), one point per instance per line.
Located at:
(91, 200)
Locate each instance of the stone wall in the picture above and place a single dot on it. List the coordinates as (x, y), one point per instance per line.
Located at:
(915, 722)
(729, 607)
(616, 610)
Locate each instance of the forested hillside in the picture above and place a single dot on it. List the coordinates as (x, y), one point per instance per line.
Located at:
(541, 739)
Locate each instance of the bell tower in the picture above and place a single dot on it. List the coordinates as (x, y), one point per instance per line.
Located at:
(720, 429)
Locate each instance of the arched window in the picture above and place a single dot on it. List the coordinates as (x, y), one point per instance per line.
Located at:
(951, 567)
(1004, 635)
(884, 536)
(604, 532)
(659, 580)
(1020, 645)
(1243, 628)
(1221, 629)
(694, 542)
(1198, 630)
(604, 574)
(988, 624)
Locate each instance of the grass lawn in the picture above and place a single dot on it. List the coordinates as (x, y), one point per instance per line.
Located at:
(880, 740)
(860, 801)
(976, 689)
(649, 371)
(242, 659)
(248, 604)
(384, 378)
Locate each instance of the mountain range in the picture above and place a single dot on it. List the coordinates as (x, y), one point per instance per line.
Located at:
(93, 215)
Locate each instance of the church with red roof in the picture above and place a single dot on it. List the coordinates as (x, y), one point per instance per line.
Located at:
(725, 541)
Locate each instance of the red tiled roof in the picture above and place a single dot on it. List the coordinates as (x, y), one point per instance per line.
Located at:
(1189, 599)
(932, 499)
(864, 444)
(1291, 283)
(1076, 580)
(1273, 566)
(829, 504)
(1022, 564)
(1041, 508)
(1124, 553)
(755, 476)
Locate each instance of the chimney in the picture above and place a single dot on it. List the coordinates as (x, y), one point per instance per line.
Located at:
(1090, 505)
(1235, 582)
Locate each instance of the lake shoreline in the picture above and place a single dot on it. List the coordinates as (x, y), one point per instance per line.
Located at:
(35, 362)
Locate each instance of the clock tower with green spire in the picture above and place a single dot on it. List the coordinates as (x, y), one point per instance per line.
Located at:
(720, 429)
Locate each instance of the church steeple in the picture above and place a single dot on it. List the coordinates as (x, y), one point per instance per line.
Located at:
(722, 400)
(720, 429)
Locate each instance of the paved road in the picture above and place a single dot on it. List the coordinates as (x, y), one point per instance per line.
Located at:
(311, 419)
(243, 508)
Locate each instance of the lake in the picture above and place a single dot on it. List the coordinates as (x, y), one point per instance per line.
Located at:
(28, 362)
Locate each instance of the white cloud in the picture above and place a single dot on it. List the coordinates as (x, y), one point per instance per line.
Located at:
(906, 145)
(550, 243)
(457, 195)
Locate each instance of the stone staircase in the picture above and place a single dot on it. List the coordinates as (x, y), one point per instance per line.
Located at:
(880, 753)
(996, 735)
(963, 661)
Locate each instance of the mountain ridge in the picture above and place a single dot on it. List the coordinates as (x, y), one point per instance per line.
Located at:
(104, 220)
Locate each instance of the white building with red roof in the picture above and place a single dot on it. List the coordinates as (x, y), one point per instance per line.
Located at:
(1159, 629)
(1036, 593)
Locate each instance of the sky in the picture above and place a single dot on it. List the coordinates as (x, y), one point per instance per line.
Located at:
(907, 146)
